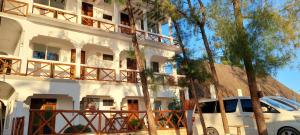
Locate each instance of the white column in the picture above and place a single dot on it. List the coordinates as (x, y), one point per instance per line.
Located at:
(78, 62)
(117, 64)
(30, 3)
(23, 50)
(159, 28)
(116, 16)
(148, 61)
(145, 23)
(79, 7)
(174, 71)
(170, 30)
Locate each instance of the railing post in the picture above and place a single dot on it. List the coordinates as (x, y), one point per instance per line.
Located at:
(52, 70)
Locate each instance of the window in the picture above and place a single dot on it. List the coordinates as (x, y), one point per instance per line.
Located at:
(213, 107)
(155, 66)
(230, 105)
(45, 52)
(246, 105)
(157, 105)
(108, 57)
(267, 108)
(107, 17)
(142, 24)
(52, 3)
(90, 103)
(108, 102)
(125, 19)
(209, 107)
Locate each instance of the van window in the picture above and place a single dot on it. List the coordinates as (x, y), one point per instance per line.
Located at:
(230, 105)
(246, 105)
(209, 107)
(213, 107)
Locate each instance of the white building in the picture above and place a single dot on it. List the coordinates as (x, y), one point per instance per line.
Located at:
(73, 55)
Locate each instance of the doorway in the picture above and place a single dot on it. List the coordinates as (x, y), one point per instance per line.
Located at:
(133, 105)
(73, 60)
(35, 119)
(132, 75)
(87, 10)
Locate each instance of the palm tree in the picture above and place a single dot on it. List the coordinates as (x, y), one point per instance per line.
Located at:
(141, 69)
(186, 62)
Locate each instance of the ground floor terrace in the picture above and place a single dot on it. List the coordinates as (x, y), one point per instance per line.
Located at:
(34, 105)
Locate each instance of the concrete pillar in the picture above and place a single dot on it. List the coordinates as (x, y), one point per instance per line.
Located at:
(30, 3)
(145, 23)
(79, 7)
(23, 50)
(78, 62)
(116, 16)
(174, 71)
(159, 27)
(117, 64)
(148, 61)
(170, 30)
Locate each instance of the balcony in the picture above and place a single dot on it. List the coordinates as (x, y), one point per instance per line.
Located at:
(62, 70)
(22, 9)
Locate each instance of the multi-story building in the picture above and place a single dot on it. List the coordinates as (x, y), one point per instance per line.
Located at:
(75, 55)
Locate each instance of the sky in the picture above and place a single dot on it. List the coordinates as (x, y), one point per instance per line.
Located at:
(290, 75)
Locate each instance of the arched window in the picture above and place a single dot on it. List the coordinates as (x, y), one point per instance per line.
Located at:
(45, 52)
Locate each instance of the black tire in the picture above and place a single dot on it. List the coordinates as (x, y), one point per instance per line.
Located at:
(288, 131)
(212, 131)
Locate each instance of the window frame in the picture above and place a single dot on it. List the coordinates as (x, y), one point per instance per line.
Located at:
(105, 100)
(107, 15)
(46, 52)
(105, 56)
(153, 63)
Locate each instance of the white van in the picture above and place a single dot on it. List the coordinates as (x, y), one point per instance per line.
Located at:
(280, 119)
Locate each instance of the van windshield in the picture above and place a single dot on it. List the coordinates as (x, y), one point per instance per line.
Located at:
(278, 104)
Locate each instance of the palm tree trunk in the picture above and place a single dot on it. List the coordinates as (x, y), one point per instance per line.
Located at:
(192, 84)
(215, 80)
(141, 68)
(260, 121)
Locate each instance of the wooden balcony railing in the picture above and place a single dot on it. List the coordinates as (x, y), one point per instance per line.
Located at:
(90, 21)
(101, 121)
(170, 119)
(100, 74)
(50, 69)
(18, 126)
(125, 29)
(163, 79)
(96, 122)
(15, 7)
(130, 76)
(159, 38)
(10, 65)
(54, 13)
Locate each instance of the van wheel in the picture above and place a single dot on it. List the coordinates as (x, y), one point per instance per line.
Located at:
(212, 131)
(288, 131)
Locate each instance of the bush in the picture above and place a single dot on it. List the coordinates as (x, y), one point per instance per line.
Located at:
(77, 129)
